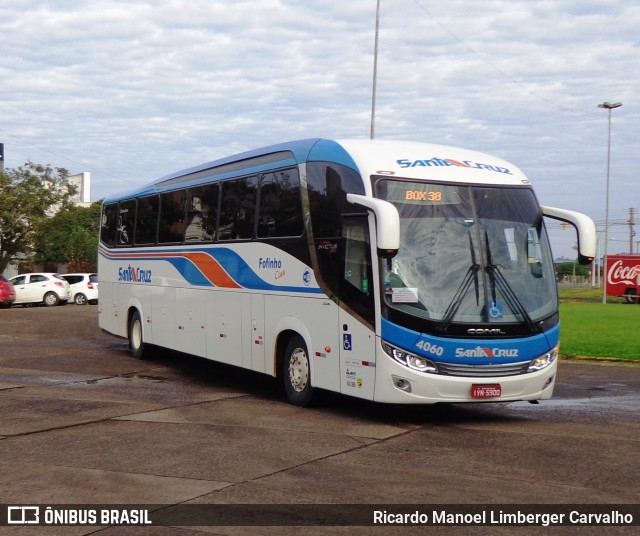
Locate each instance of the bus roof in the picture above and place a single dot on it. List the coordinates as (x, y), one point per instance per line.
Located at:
(427, 161)
(407, 159)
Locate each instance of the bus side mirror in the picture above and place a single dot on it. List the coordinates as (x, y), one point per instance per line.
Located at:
(387, 223)
(584, 226)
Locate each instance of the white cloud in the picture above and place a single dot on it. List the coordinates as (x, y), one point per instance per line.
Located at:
(132, 90)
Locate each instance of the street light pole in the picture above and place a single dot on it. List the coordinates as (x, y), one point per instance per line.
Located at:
(375, 74)
(607, 106)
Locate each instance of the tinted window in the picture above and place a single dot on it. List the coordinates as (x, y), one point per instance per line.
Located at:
(280, 211)
(328, 187)
(202, 214)
(147, 220)
(237, 209)
(126, 219)
(172, 222)
(356, 285)
(109, 224)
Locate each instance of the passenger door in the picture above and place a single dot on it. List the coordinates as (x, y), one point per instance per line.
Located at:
(357, 310)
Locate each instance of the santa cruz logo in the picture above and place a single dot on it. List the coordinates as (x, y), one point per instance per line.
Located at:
(479, 351)
(134, 275)
(435, 161)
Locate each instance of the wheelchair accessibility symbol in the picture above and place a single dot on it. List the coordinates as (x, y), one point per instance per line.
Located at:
(496, 309)
(346, 342)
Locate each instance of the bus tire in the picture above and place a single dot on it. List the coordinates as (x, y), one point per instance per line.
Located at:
(296, 372)
(136, 339)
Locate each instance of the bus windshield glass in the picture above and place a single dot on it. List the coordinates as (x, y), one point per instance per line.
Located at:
(468, 254)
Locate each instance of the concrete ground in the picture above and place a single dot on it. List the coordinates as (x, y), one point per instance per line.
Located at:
(82, 422)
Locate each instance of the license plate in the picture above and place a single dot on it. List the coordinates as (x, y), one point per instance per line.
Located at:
(486, 391)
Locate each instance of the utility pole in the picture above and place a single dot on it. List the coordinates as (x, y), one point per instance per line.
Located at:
(632, 233)
(375, 74)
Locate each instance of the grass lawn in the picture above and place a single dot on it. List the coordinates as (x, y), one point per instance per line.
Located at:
(599, 330)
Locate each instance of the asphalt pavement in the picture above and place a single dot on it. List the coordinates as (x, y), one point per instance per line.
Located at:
(83, 422)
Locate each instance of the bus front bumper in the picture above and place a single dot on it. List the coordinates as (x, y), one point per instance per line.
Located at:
(398, 384)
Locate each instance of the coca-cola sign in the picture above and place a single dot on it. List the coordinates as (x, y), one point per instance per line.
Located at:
(619, 273)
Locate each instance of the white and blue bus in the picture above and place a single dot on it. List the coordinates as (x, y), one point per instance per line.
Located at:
(393, 271)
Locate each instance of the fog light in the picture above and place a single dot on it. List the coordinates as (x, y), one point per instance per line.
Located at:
(402, 384)
(547, 383)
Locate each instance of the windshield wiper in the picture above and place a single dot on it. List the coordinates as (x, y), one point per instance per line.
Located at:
(456, 302)
(497, 280)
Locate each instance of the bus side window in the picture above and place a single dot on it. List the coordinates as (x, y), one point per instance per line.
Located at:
(356, 290)
(280, 208)
(237, 209)
(327, 186)
(108, 225)
(202, 214)
(126, 218)
(147, 220)
(172, 222)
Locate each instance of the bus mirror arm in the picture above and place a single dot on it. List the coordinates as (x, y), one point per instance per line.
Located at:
(584, 226)
(387, 223)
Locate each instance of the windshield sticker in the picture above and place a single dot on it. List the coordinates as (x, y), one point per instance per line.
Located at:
(404, 295)
(496, 310)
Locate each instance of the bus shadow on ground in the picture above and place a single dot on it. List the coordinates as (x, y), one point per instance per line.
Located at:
(215, 375)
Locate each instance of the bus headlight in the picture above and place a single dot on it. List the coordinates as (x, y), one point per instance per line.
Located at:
(412, 361)
(543, 361)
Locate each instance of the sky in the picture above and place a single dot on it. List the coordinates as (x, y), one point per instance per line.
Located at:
(132, 90)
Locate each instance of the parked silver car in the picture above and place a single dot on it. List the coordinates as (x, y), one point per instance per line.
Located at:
(48, 288)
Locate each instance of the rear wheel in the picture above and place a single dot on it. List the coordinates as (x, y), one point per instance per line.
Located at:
(50, 299)
(296, 372)
(136, 340)
(80, 299)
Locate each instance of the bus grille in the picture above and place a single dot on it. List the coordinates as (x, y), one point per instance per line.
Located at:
(483, 371)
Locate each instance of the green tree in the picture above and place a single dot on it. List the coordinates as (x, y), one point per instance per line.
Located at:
(571, 268)
(71, 236)
(29, 197)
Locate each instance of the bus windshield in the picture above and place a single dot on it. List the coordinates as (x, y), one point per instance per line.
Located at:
(468, 254)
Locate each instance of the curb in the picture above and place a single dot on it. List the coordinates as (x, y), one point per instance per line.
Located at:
(616, 360)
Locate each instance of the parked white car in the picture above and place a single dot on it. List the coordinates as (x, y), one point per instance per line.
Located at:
(47, 288)
(84, 288)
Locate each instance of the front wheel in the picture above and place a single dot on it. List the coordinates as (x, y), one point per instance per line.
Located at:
(296, 373)
(136, 340)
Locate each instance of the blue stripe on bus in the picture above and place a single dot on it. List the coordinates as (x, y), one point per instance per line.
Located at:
(470, 351)
(228, 259)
